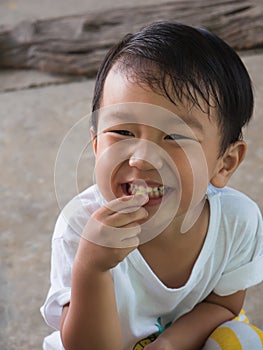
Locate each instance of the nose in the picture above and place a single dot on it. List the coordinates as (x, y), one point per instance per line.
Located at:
(146, 156)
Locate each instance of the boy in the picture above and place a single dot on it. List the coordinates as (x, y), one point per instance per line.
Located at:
(159, 253)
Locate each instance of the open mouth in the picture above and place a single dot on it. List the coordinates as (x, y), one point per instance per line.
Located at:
(153, 192)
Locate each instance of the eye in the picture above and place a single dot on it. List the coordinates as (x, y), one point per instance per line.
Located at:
(176, 137)
(122, 132)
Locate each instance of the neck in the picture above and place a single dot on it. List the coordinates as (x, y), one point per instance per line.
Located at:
(194, 221)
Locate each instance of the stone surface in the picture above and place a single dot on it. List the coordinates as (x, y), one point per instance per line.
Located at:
(43, 133)
(33, 125)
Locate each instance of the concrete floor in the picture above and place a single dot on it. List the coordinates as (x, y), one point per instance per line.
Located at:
(37, 111)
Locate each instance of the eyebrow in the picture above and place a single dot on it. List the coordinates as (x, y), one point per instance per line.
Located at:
(193, 122)
(126, 118)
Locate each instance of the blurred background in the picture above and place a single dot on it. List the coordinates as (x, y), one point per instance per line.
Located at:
(46, 158)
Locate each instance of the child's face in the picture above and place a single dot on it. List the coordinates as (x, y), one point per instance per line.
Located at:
(145, 140)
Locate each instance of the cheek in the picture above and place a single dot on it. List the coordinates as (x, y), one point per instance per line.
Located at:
(199, 177)
(193, 170)
(104, 173)
(109, 159)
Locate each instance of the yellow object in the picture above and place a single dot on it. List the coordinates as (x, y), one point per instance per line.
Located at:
(237, 334)
(242, 317)
(140, 192)
(226, 338)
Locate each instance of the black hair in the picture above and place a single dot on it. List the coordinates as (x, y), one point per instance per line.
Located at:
(178, 61)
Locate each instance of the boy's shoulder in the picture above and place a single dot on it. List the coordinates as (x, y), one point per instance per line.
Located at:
(233, 202)
(76, 213)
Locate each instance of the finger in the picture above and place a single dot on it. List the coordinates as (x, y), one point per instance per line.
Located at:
(130, 236)
(126, 204)
(122, 219)
(109, 236)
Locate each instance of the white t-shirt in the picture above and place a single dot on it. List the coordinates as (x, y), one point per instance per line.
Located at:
(231, 259)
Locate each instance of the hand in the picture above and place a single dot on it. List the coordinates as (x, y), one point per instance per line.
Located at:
(161, 343)
(112, 232)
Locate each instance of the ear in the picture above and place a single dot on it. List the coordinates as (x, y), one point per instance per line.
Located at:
(93, 139)
(228, 163)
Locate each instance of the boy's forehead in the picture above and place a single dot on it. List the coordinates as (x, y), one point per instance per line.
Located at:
(125, 100)
(146, 114)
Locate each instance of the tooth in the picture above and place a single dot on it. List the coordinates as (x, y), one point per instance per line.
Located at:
(132, 189)
(139, 190)
(152, 192)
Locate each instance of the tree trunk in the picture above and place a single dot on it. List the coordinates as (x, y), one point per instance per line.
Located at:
(77, 44)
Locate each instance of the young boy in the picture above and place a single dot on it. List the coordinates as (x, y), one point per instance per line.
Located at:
(159, 253)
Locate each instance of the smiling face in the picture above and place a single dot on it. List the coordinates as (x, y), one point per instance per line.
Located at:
(145, 143)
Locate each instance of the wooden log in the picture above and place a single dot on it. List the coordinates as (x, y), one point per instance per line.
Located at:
(77, 44)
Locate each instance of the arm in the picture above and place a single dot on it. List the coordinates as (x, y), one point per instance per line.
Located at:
(91, 317)
(191, 330)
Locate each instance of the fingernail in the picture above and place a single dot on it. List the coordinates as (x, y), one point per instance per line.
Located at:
(142, 197)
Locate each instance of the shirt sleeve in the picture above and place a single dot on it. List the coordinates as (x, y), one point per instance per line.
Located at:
(64, 247)
(245, 264)
(65, 241)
